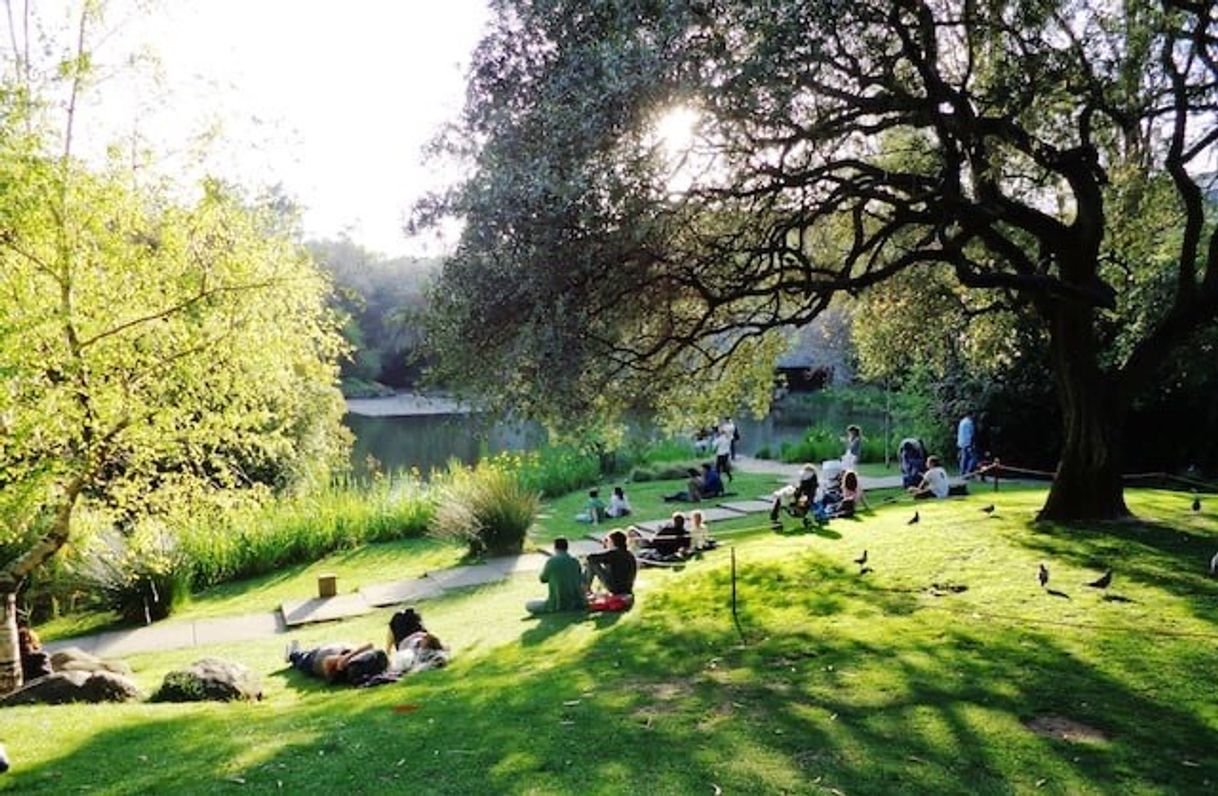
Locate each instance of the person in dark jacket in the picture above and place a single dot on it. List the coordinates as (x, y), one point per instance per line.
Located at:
(616, 567)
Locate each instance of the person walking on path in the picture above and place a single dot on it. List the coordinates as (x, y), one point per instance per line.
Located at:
(733, 433)
(565, 579)
(723, 454)
(966, 434)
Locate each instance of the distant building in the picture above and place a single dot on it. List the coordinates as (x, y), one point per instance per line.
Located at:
(821, 354)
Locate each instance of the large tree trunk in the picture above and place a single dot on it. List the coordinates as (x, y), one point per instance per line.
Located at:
(10, 654)
(1088, 482)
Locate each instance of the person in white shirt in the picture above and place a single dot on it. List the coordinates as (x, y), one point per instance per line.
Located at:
(619, 506)
(723, 454)
(934, 481)
(729, 428)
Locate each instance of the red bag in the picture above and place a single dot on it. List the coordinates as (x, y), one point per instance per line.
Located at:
(613, 603)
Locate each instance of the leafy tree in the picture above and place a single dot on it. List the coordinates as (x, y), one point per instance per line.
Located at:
(152, 351)
(839, 145)
(378, 299)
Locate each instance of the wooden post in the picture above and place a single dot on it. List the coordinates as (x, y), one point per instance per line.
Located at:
(327, 585)
(997, 467)
(735, 616)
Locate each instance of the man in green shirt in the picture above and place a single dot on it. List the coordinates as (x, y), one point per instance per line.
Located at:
(563, 575)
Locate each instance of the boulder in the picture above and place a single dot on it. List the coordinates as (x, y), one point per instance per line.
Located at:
(74, 659)
(63, 687)
(211, 679)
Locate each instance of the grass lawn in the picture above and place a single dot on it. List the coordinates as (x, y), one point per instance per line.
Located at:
(920, 676)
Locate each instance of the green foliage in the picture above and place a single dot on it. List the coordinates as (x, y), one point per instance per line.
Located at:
(245, 541)
(809, 695)
(487, 506)
(377, 298)
(141, 578)
(763, 452)
(552, 470)
(166, 352)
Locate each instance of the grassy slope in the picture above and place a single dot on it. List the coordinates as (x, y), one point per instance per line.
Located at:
(866, 684)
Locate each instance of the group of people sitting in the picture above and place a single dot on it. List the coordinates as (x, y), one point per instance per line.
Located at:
(409, 648)
(701, 486)
(596, 511)
(570, 585)
(840, 494)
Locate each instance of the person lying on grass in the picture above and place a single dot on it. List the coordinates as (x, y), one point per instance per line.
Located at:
(693, 489)
(565, 579)
(339, 662)
(615, 568)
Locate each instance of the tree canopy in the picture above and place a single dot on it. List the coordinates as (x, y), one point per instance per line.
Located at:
(155, 351)
(1047, 154)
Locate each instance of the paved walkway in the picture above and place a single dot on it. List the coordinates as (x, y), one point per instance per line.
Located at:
(181, 634)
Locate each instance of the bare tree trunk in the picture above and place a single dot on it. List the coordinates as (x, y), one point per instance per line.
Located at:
(1088, 482)
(10, 653)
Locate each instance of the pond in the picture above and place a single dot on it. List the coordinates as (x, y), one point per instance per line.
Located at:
(403, 431)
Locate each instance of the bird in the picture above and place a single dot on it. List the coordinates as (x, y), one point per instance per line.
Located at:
(1042, 575)
(989, 509)
(1196, 502)
(861, 560)
(914, 520)
(1103, 581)
(1214, 566)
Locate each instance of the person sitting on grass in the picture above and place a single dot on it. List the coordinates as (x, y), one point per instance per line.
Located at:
(594, 509)
(615, 568)
(712, 484)
(565, 580)
(411, 648)
(338, 663)
(671, 541)
(35, 662)
(699, 533)
(619, 506)
(693, 490)
(934, 482)
(852, 495)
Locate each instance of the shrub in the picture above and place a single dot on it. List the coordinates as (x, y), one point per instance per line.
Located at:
(488, 506)
(764, 452)
(818, 444)
(641, 474)
(142, 578)
(553, 470)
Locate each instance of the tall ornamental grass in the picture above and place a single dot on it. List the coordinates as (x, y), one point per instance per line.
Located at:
(489, 507)
(241, 543)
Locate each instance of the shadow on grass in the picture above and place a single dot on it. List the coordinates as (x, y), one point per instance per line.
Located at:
(843, 685)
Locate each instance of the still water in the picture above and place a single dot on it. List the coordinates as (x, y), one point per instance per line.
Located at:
(395, 438)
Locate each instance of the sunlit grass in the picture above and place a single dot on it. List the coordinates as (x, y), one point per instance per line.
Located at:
(919, 676)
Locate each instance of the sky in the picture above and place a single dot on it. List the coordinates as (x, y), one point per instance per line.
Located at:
(334, 100)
